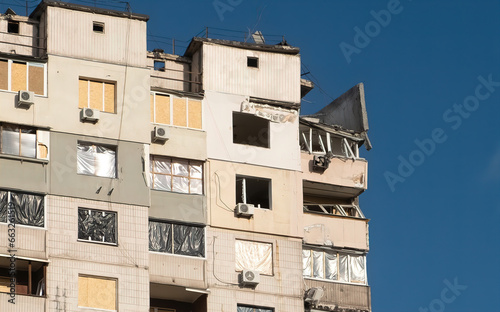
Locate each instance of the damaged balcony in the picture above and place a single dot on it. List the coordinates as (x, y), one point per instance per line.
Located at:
(19, 35)
(168, 298)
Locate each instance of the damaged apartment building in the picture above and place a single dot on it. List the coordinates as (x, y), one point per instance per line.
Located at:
(138, 180)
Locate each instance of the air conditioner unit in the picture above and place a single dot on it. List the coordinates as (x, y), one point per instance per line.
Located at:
(313, 295)
(160, 134)
(89, 114)
(245, 210)
(321, 162)
(250, 278)
(25, 99)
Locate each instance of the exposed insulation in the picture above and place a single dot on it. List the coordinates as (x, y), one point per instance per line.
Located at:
(83, 93)
(109, 97)
(4, 74)
(18, 80)
(43, 151)
(96, 293)
(36, 79)
(194, 114)
(180, 112)
(96, 95)
(152, 107)
(162, 109)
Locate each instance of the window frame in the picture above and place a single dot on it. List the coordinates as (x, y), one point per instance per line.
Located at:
(94, 241)
(20, 128)
(101, 278)
(244, 199)
(250, 60)
(28, 64)
(152, 174)
(250, 306)
(44, 227)
(251, 116)
(103, 82)
(98, 24)
(115, 147)
(272, 244)
(171, 98)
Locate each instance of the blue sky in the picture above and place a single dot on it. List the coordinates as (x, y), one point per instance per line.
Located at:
(440, 221)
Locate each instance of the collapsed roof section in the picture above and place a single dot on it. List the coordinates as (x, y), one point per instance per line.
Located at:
(345, 116)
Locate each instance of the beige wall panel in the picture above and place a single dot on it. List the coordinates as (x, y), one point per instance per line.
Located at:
(152, 107)
(109, 97)
(194, 114)
(180, 112)
(4, 74)
(162, 109)
(36, 79)
(18, 78)
(96, 93)
(83, 93)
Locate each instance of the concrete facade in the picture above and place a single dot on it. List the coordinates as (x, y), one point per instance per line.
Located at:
(139, 210)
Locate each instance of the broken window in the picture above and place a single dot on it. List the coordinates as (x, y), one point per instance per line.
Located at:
(171, 110)
(250, 130)
(13, 27)
(98, 27)
(97, 292)
(17, 75)
(97, 94)
(247, 308)
(176, 175)
(30, 276)
(255, 191)
(253, 62)
(97, 226)
(334, 266)
(18, 140)
(28, 208)
(316, 141)
(251, 255)
(335, 209)
(178, 239)
(97, 160)
(159, 65)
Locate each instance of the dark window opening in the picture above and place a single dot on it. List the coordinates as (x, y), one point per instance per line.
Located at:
(97, 226)
(98, 27)
(255, 191)
(30, 277)
(246, 308)
(160, 65)
(253, 62)
(250, 130)
(13, 27)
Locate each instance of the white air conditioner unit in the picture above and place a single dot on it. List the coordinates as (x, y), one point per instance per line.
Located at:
(89, 114)
(245, 210)
(250, 278)
(25, 99)
(160, 134)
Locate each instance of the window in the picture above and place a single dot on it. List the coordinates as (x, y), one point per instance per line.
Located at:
(178, 239)
(30, 276)
(334, 209)
(97, 292)
(17, 75)
(317, 141)
(334, 266)
(29, 208)
(97, 226)
(253, 62)
(171, 110)
(17, 140)
(98, 95)
(254, 256)
(176, 175)
(97, 160)
(250, 130)
(246, 308)
(13, 27)
(255, 191)
(98, 27)
(159, 65)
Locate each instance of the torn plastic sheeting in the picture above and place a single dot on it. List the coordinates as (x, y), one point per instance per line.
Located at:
(254, 256)
(189, 240)
(331, 266)
(306, 262)
(318, 264)
(85, 159)
(162, 182)
(105, 160)
(357, 268)
(343, 268)
(29, 209)
(97, 226)
(160, 236)
(180, 184)
(4, 196)
(270, 113)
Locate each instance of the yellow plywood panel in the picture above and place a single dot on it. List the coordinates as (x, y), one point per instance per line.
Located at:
(180, 112)
(43, 151)
(83, 293)
(97, 293)
(96, 95)
(152, 107)
(18, 78)
(83, 93)
(162, 109)
(36, 79)
(194, 114)
(109, 97)
(4, 74)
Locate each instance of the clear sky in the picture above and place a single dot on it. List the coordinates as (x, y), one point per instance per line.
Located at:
(431, 71)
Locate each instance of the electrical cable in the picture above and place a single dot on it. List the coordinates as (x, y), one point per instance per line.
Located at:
(213, 265)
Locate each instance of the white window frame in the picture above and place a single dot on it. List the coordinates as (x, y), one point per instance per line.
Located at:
(171, 107)
(28, 64)
(44, 212)
(99, 242)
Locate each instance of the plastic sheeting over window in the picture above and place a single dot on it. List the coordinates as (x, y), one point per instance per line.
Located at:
(178, 239)
(19, 141)
(242, 308)
(254, 256)
(176, 175)
(28, 208)
(96, 160)
(330, 265)
(97, 225)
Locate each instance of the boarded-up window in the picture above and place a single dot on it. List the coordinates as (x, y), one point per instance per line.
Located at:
(171, 110)
(254, 256)
(17, 75)
(97, 292)
(96, 94)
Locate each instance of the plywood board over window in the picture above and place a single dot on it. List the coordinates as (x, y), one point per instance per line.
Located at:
(36, 78)
(194, 116)
(4, 74)
(180, 111)
(162, 109)
(18, 77)
(97, 292)
(96, 94)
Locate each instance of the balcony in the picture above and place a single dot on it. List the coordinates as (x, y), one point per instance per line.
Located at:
(343, 295)
(24, 303)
